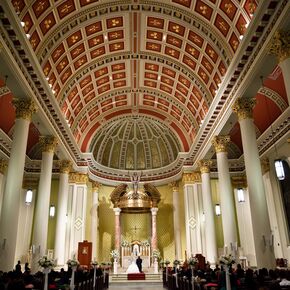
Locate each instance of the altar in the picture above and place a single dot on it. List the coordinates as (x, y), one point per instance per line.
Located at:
(131, 250)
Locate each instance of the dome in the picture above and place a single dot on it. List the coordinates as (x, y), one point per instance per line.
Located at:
(135, 143)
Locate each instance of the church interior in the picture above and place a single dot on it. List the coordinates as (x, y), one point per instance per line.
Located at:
(144, 127)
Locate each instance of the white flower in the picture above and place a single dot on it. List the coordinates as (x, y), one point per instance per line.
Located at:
(125, 243)
(115, 254)
(227, 260)
(176, 262)
(166, 262)
(156, 254)
(94, 263)
(45, 262)
(72, 262)
(192, 261)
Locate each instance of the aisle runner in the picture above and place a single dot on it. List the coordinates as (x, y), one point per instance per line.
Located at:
(136, 276)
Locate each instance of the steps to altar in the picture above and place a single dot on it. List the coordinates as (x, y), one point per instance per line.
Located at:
(123, 278)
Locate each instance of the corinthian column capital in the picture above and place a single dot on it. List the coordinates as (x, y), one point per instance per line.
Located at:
(78, 178)
(48, 143)
(221, 142)
(96, 185)
(174, 185)
(243, 107)
(280, 45)
(3, 165)
(24, 108)
(204, 165)
(65, 166)
(191, 177)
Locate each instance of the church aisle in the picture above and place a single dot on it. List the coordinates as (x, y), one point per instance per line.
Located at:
(136, 286)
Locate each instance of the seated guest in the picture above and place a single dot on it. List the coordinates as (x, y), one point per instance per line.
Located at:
(26, 268)
(18, 267)
(284, 279)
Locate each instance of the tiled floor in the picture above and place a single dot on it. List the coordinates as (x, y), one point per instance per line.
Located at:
(136, 286)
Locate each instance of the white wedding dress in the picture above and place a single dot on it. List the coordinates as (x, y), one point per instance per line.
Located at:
(133, 268)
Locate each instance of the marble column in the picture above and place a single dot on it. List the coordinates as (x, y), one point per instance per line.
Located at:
(3, 166)
(226, 194)
(280, 47)
(61, 212)
(154, 211)
(210, 234)
(13, 187)
(40, 229)
(176, 220)
(94, 218)
(117, 211)
(260, 218)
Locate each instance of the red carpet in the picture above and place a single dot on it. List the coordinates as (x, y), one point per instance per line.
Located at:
(136, 276)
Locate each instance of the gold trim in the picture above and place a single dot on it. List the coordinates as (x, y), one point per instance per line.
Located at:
(95, 185)
(243, 107)
(48, 143)
(65, 166)
(75, 177)
(280, 45)
(204, 165)
(24, 108)
(221, 142)
(191, 177)
(239, 181)
(174, 185)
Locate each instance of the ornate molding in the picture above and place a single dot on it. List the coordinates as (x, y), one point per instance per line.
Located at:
(280, 45)
(48, 143)
(4, 90)
(3, 165)
(192, 177)
(78, 178)
(204, 165)
(95, 185)
(265, 164)
(221, 142)
(174, 185)
(239, 181)
(65, 166)
(24, 108)
(243, 107)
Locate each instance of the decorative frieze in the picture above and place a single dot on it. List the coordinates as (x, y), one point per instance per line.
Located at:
(78, 178)
(204, 165)
(221, 142)
(48, 143)
(280, 45)
(65, 166)
(191, 177)
(3, 165)
(243, 107)
(24, 108)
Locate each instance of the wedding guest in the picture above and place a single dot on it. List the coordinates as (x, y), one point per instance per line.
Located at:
(18, 267)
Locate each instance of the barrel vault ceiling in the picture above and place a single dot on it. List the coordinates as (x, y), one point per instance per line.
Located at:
(136, 85)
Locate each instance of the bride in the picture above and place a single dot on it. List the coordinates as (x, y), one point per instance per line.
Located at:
(133, 268)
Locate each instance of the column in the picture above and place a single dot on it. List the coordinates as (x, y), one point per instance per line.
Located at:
(3, 166)
(94, 218)
(117, 211)
(260, 218)
(61, 212)
(176, 220)
(226, 194)
(13, 187)
(39, 241)
(210, 234)
(280, 48)
(154, 211)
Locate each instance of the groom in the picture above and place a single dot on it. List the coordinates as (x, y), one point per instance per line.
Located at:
(139, 264)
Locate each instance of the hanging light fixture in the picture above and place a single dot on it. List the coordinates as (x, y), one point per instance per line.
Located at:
(28, 197)
(218, 209)
(241, 196)
(52, 211)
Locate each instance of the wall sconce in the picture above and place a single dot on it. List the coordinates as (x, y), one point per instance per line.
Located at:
(52, 211)
(241, 196)
(279, 169)
(28, 197)
(217, 209)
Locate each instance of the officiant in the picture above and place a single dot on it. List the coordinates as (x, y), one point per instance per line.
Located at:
(139, 264)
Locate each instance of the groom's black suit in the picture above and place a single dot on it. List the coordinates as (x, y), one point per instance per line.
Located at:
(139, 263)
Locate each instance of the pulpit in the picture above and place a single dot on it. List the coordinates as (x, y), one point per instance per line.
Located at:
(85, 253)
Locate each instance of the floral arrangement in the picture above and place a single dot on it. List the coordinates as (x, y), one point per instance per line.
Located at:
(227, 260)
(125, 243)
(176, 262)
(94, 263)
(72, 262)
(45, 262)
(156, 254)
(145, 243)
(192, 261)
(166, 262)
(115, 254)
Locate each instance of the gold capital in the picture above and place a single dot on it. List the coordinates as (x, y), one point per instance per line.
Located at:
(3, 165)
(221, 142)
(243, 107)
(24, 108)
(48, 143)
(95, 185)
(174, 185)
(280, 45)
(78, 178)
(204, 165)
(239, 181)
(191, 177)
(65, 166)
(265, 164)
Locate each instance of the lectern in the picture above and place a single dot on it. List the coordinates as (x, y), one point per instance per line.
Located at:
(85, 253)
